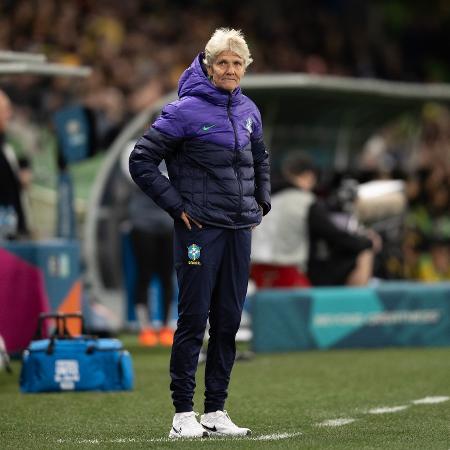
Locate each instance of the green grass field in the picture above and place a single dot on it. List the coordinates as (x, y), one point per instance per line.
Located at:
(281, 397)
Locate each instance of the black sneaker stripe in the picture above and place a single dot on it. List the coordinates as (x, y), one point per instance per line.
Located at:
(176, 431)
(209, 428)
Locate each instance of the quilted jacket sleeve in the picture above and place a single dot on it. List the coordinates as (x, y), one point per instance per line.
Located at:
(159, 142)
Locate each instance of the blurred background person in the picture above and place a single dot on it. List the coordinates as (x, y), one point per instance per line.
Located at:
(300, 245)
(14, 176)
(434, 265)
(152, 244)
(151, 240)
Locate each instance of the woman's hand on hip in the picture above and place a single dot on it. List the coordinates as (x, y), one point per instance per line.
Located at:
(187, 221)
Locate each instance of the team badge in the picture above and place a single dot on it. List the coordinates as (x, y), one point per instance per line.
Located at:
(249, 125)
(194, 255)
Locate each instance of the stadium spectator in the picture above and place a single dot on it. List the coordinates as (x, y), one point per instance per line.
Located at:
(434, 265)
(299, 244)
(13, 177)
(211, 140)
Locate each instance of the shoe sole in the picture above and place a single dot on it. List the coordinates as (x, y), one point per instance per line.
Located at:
(219, 434)
(174, 435)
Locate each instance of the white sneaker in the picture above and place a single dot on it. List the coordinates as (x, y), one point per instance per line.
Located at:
(185, 425)
(219, 424)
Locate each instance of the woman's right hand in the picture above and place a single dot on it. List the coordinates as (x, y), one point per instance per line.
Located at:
(187, 221)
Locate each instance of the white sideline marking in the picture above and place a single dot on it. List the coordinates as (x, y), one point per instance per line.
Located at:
(430, 400)
(273, 437)
(335, 422)
(264, 437)
(387, 409)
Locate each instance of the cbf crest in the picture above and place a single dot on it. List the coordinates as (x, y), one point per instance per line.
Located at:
(249, 125)
(194, 255)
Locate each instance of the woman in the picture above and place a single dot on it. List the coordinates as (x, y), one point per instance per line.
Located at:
(218, 190)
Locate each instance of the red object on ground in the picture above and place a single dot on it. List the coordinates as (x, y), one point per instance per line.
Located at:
(269, 276)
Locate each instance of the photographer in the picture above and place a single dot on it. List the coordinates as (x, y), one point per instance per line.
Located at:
(299, 244)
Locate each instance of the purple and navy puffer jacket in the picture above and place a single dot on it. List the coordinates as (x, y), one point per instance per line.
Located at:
(213, 146)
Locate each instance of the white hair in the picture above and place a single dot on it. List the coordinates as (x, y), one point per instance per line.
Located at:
(224, 39)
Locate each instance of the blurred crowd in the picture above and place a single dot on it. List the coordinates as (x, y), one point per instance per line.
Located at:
(137, 50)
(419, 154)
(427, 238)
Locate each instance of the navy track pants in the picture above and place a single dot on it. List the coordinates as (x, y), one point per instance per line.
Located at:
(212, 267)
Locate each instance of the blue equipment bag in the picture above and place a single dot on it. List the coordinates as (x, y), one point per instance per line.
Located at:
(83, 363)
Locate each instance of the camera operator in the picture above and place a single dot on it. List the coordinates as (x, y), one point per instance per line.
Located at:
(302, 241)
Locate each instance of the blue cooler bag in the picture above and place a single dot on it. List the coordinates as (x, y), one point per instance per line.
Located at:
(83, 363)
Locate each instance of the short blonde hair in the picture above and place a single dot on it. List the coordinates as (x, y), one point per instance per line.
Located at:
(224, 39)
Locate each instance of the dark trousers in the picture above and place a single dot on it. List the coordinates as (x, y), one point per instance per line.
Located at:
(212, 267)
(154, 256)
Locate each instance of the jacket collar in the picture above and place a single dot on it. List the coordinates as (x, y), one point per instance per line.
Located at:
(194, 82)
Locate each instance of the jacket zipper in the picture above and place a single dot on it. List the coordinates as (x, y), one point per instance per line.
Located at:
(236, 155)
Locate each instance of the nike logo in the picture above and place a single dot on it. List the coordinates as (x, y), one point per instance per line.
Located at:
(208, 127)
(176, 431)
(209, 428)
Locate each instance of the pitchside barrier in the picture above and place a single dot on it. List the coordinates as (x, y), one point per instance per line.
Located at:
(389, 314)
